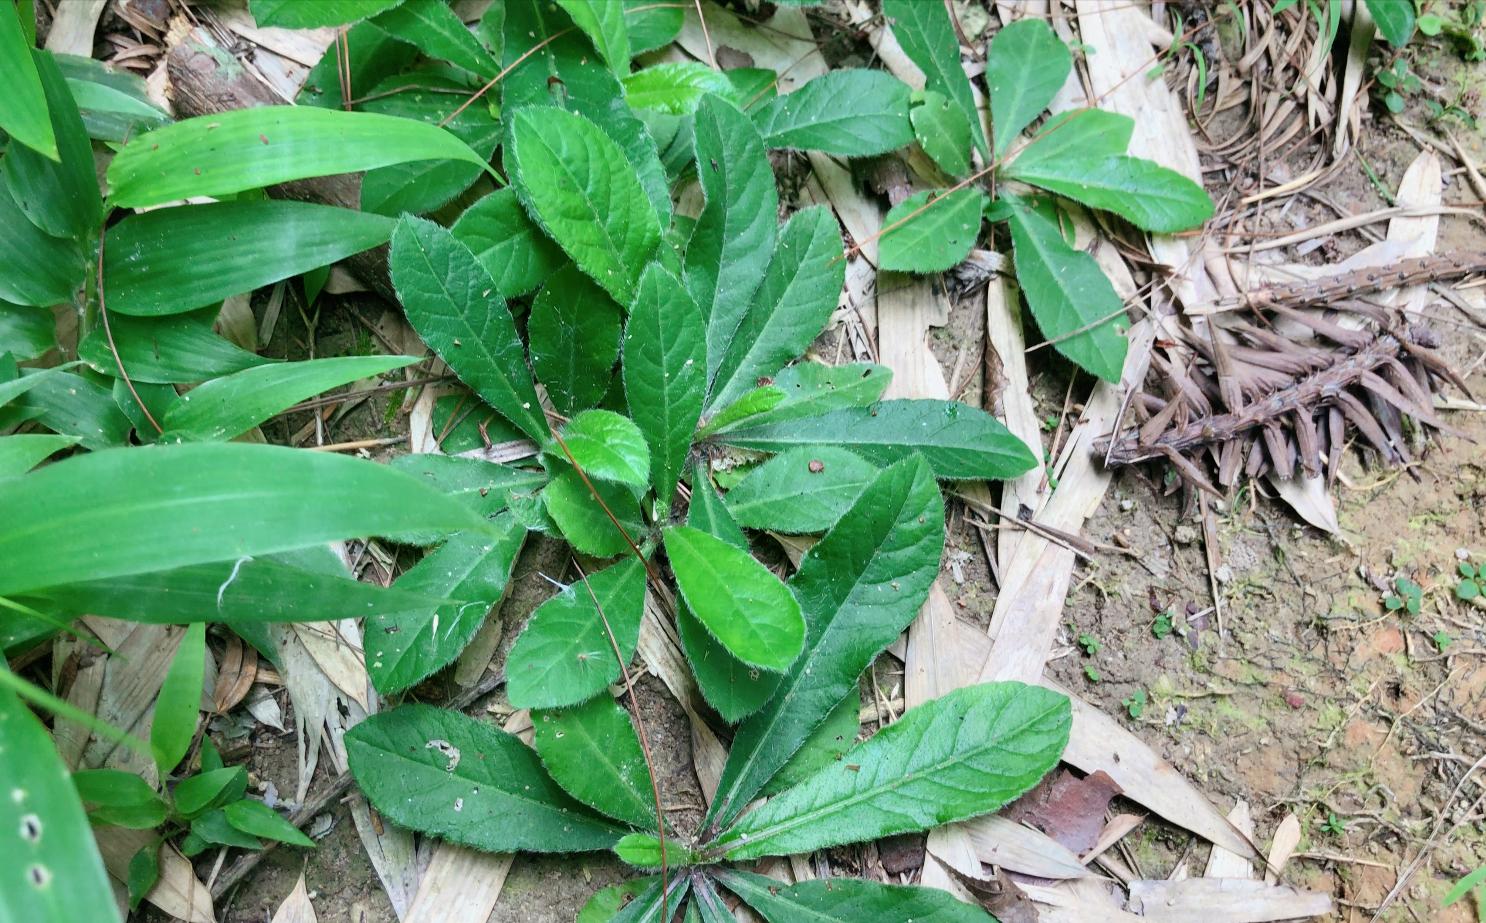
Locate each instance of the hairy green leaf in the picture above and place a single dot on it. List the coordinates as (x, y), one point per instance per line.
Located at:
(484, 486)
(564, 654)
(593, 752)
(452, 303)
(1026, 66)
(373, 57)
(847, 900)
(518, 256)
(606, 902)
(644, 850)
(928, 37)
(59, 196)
(173, 348)
(958, 441)
(574, 330)
(582, 519)
(826, 745)
(1072, 299)
(802, 490)
(651, 25)
(153, 262)
(451, 776)
(603, 22)
(607, 446)
(809, 389)
(24, 116)
(664, 378)
(675, 87)
(854, 113)
(931, 232)
(1148, 195)
(942, 131)
(709, 513)
(858, 587)
(740, 601)
(174, 722)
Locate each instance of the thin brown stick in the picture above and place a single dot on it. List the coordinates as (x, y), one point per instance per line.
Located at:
(706, 36)
(501, 76)
(109, 335)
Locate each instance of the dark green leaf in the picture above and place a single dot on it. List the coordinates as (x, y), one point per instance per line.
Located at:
(709, 513)
(1085, 133)
(60, 530)
(1025, 68)
(826, 745)
(174, 723)
(174, 348)
(1395, 19)
(593, 752)
(143, 873)
(1146, 194)
(853, 113)
(451, 776)
(119, 798)
(741, 602)
(60, 197)
(858, 587)
(606, 902)
(603, 22)
(928, 37)
(1074, 303)
(485, 486)
(452, 303)
(931, 232)
(26, 332)
(564, 655)
(582, 519)
(809, 389)
(515, 252)
(647, 907)
(35, 267)
(71, 405)
(790, 308)
(153, 262)
(214, 829)
(848, 900)
(241, 149)
(373, 57)
(210, 789)
(802, 490)
(406, 647)
(942, 131)
(19, 454)
(958, 441)
(310, 14)
(664, 380)
(574, 329)
(439, 33)
(961, 755)
(24, 116)
(258, 819)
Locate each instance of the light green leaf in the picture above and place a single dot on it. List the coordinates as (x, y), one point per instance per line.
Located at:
(802, 490)
(26, 332)
(858, 587)
(1148, 195)
(606, 902)
(207, 790)
(119, 798)
(258, 819)
(59, 530)
(35, 268)
(563, 655)
(730, 246)
(675, 87)
(241, 149)
(607, 446)
(451, 301)
(1395, 19)
(515, 252)
(229, 406)
(1026, 66)
(809, 389)
(958, 441)
(486, 487)
(593, 752)
(664, 378)
(173, 348)
(751, 405)
(28, 378)
(644, 850)
(214, 829)
(826, 745)
(453, 777)
(942, 131)
(853, 113)
(1074, 303)
(931, 233)
(582, 519)
(60, 197)
(790, 308)
(1464, 886)
(472, 569)
(24, 116)
(650, 25)
(174, 723)
(439, 33)
(576, 183)
(603, 21)
(928, 37)
(741, 602)
(964, 754)
(311, 14)
(52, 872)
(19, 454)
(113, 104)
(847, 900)
(153, 262)
(1085, 133)
(574, 331)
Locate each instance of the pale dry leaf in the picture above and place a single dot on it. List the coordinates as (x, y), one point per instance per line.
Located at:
(178, 893)
(1286, 841)
(296, 908)
(1224, 900)
(1008, 844)
(1223, 864)
(73, 27)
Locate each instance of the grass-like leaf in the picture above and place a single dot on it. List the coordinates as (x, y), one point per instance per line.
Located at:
(174, 722)
(59, 196)
(24, 116)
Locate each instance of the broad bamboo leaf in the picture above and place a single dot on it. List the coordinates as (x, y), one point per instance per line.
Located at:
(19, 454)
(582, 519)
(741, 603)
(942, 131)
(790, 308)
(472, 571)
(518, 256)
(257, 819)
(451, 301)
(564, 654)
(1076, 307)
(439, 33)
(593, 752)
(1148, 195)
(24, 116)
(853, 113)
(607, 446)
(1395, 19)
(241, 149)
(1084, 133)
(174, 722)
(59, 196)
(52, 872)
(961, 755)
(451, 776)
(858, 587)
(120, 798)
(70, 405)
(60, 530)
(485, 487)
(928, 37)
(1026, 66)
(578, 185)
(603, 21)
(169, 349)
(809, 389)
(665, 359)
(230, 406)
(730, 247)
(802, 490)
(848, 900)
(958, 441)
(673, 87)
(931, 232)
(36, 268)
(26, 332)
(574, 331)
(177, 259)
(114, 104)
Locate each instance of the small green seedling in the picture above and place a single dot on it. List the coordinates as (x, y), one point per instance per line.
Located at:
(1396, 84)
(1162, 627)
(1334, 825)
(1472, 582)
(1089, 643)
(1135, 703)
(1407, 596)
